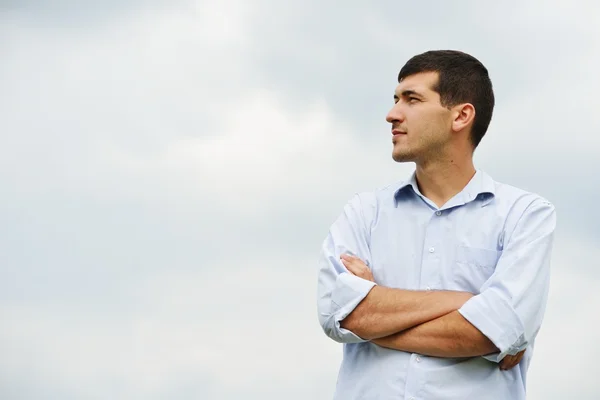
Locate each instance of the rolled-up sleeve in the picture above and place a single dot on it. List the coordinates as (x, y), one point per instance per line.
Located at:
(339, 292)
(511, 304)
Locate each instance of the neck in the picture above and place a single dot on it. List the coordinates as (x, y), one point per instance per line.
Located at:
(442, 179)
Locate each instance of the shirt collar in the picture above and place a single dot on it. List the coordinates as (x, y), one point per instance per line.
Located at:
(411, 182)
(481, 187)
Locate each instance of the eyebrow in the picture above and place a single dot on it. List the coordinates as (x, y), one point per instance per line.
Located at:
(408, 93)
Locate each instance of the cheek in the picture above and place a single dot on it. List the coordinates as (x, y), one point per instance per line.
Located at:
(435, 123)
(444, 119)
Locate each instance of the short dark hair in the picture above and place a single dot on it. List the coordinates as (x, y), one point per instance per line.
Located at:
(462, 79)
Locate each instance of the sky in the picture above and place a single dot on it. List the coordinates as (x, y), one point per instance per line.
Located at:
(169, 170)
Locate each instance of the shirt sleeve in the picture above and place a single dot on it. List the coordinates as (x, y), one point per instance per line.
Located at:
(512, 302)
(339, 292)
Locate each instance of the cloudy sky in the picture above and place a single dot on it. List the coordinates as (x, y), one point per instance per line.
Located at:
(169, 170)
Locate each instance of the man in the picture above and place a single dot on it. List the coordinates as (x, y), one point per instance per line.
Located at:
(437, 285)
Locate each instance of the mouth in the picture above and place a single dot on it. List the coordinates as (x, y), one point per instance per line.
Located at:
(396, 133)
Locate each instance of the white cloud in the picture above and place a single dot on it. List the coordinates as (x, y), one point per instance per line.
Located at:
(566, 348)
(249, 329)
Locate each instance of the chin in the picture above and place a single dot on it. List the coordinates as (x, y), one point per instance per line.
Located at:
(402, 157)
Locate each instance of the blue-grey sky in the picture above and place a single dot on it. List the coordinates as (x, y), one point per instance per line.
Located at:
(169, 170)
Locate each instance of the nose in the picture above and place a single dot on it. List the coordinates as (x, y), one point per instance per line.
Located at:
(395, 114)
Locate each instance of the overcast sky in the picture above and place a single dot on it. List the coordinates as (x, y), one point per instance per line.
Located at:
(169, 170)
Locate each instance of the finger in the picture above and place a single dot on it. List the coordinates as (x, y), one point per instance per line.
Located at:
(504, 364)
(507, 366)
(510, 362)
(352, 267)
(517, 358)
(346, 257)
(351, 260)
(346, 264)
(507, 362)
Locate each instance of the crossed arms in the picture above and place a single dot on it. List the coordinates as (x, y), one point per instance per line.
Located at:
(424, 322)
(498, 323)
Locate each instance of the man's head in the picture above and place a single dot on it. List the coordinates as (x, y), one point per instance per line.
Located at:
(443, 97)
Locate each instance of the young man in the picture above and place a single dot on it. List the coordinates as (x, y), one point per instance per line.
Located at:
(437, 285)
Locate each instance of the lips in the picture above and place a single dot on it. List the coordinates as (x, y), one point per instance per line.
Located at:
(398, 132)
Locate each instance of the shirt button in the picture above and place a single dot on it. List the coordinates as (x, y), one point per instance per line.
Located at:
(438, 213)
(427, 288)
(418, 359)
(431, 249)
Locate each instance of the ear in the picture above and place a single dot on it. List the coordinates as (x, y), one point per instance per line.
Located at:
(463, 116)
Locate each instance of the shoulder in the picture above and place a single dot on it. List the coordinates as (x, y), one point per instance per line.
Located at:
(367, 206)
(522, 207)
(372, 200)
(512, 197)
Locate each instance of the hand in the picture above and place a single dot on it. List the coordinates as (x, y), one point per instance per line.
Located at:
(357, 267)
(509, 362)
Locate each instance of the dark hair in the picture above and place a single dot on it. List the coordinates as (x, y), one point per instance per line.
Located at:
(462, 79)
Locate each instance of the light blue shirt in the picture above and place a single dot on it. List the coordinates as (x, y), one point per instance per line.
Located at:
(491, 239)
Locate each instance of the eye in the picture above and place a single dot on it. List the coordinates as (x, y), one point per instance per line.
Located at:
(412, 99)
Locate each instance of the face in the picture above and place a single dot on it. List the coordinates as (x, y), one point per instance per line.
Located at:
(421, 126)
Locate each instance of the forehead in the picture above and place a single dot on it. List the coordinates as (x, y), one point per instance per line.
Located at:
(422, 83)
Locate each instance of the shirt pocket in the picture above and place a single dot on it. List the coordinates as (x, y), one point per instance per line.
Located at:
(473, 266)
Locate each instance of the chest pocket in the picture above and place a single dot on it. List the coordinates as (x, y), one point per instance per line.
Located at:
(473, 266)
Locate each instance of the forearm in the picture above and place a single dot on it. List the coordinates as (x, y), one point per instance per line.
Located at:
(448, 336)
(385, 311)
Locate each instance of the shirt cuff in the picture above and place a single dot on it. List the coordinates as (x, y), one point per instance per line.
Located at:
(495, 318)
(349, 291)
